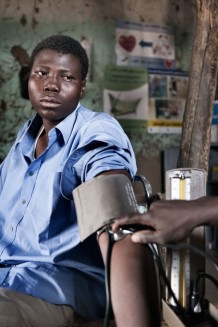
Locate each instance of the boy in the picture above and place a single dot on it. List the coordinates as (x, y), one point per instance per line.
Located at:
(48, 277)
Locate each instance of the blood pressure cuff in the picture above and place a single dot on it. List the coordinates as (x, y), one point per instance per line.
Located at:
(102, 199)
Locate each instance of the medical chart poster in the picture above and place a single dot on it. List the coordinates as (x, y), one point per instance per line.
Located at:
(167, 95)
(125, 94)
(214, 127)
(143, 45)
(215, 113)
(167, 99)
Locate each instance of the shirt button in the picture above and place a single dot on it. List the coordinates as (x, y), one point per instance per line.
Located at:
(24, 201)
(11, 228)
(31, 173)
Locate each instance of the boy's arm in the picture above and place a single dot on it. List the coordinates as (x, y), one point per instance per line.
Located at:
(134, 284)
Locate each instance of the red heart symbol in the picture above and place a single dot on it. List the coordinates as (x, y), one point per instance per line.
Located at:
(169, 63)
(127, 42)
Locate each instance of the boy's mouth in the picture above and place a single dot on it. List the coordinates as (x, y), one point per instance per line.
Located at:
(49, 102)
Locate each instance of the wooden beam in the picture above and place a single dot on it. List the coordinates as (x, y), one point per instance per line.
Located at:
(196, 131)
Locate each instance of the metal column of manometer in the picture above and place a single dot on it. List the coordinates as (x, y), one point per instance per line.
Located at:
(183, 266)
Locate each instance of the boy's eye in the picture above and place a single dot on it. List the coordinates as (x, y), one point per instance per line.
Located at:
(68, 78)
(41, 73)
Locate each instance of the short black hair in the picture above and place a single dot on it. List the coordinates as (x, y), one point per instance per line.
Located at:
(66, 45)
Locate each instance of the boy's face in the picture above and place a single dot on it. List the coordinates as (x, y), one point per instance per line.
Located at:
(55, 85)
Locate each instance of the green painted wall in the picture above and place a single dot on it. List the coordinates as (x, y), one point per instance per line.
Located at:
(24, 23)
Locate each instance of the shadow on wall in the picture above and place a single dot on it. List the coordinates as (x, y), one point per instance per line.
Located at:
(23, 59)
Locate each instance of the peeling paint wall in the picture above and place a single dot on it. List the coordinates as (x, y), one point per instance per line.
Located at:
(24, 23)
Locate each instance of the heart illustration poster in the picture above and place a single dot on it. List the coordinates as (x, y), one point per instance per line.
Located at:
(143, 45)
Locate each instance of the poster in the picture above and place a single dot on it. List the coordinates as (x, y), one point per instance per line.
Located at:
(167, 98)
(144, 45)
(86, 43)
(214, 127)
(125, 94)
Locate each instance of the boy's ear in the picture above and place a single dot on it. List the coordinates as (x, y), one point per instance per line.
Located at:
(83, 88)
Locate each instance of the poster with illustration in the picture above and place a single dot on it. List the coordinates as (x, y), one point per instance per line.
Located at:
(214, 127)
(125, 92)
(167, 98)
(144, 45)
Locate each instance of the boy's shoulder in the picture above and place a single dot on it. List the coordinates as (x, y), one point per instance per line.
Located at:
(88, 114)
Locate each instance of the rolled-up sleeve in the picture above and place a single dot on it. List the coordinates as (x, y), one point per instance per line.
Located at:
(113, 150)
(103, 147)
(109, 157)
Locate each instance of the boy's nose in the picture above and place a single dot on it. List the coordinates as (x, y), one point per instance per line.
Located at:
(52, 85)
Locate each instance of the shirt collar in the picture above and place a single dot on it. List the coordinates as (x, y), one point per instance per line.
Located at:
(35, 125)
(66, 125)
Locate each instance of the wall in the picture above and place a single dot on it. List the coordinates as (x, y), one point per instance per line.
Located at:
(24, 23)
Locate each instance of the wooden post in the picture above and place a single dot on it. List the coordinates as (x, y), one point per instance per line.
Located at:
(196, 131)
